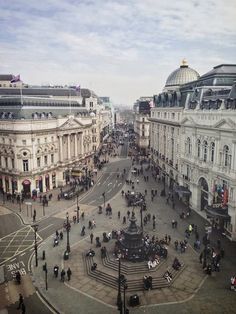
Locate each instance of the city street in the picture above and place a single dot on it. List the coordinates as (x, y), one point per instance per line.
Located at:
(213, 295)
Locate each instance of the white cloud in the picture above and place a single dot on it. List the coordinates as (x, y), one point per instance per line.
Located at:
(123, 49)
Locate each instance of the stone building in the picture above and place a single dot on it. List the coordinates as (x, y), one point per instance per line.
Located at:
(45, 133)
(192, 139)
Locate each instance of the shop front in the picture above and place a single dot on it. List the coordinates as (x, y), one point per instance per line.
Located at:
(39, 184)
(26, 188)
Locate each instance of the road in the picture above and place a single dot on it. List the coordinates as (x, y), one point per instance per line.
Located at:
(17, 240)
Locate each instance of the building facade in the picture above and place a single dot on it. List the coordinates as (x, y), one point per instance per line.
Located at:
(192, 140)
(46, 133)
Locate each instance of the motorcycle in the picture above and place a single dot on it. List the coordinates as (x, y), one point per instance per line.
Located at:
(56, 270)
(55, 242)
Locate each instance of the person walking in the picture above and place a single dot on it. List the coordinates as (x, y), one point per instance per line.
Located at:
(118, 214)
(63, 275)
(23, 308)
(69, 273)
(21, 300)
(34, 216)
(91, 238)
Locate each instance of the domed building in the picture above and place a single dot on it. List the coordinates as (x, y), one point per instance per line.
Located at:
(184, 74)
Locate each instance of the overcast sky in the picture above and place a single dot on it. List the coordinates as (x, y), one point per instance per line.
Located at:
(122, 49)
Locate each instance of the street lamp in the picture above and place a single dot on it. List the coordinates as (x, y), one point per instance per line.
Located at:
(125, 287)
(35, 227)
(77, 196)
(119, 300)
(104, 199)
(67, 231)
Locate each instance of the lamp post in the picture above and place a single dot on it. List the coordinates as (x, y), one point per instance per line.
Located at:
(119, 300)
(104, 199)
(67, 231)
(141, 215)
(77, 207)
(35, 227)
(125, 287)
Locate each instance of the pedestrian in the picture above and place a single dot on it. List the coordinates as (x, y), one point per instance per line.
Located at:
(74, 219)
(23, 308)
(154, 225)
(34, 215)
(154, 218)
(124, 220)
(145, 192)
(63, 275)
(128, 213)
(169, 239)
(93, 224)
(90, 224)
(137, 181)
(176, 245)
(118, 214)
(91, 238)
(20, 301)
(69, 273)
(173, 223)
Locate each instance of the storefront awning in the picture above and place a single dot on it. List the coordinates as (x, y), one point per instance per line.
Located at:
(182, 191)
(218, 212)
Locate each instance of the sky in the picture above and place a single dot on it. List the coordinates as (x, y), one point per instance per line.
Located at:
(123, 49)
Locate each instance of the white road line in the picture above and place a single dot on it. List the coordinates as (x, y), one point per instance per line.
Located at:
(22, 254)
(13, 259)
(119, 184)
(14, 232)
(46, 227)
(92, 202)
(109, 183)
(98, 183)
(32, 249)
(109, 190)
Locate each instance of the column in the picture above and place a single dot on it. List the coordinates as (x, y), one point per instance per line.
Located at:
(82, 144)
(68, 147)
(76, 145)
(60, 148)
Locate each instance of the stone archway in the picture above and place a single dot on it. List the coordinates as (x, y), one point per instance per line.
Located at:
(204, 190)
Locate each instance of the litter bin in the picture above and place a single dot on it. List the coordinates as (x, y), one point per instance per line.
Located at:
(66, 255)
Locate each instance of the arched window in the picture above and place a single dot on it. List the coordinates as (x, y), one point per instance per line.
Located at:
(198, 148)
(205, 151)
(188, 146)
(212, 152)
(226, 156)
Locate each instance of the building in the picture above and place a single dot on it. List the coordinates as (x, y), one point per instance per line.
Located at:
(192, 139)
(165, 124)
(141, 124)
(208, 153)
(45, 133)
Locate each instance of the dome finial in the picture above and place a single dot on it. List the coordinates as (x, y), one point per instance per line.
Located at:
(184, 62)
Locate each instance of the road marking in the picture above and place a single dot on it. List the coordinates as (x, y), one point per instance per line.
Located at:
(109, 190)
(109, 183)
(22, 254)
(98, 183)
(13, 259)
(46, 227)
(92, 202)
(119, 183)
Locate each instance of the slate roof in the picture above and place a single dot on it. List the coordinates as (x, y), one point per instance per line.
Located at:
(6, 77)
(221, 69)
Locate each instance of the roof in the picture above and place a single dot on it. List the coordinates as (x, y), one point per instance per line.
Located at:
(221, 69)
(6, 77)
(182, 75)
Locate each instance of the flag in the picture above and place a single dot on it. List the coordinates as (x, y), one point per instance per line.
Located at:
(77, 88)
(15, 78)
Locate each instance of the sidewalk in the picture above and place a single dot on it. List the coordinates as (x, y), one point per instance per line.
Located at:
(79, 289)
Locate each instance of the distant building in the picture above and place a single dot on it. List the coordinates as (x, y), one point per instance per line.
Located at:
(142, 124)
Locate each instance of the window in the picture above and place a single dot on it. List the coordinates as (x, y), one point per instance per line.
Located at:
(25, 165)
(173, 115)
(143, 126)
(227, 157)
(38, 162)
(143, 133)
(45, 160)
(38, 140)
(205, 147)
(165, 115)
(198, 148)
(52, 158)
(212, 151)
(13, 163)
(143, 119)
(91, 104)
(52, 139)
(23, 142)
(6, 162)
(45, 140)
(188, 146)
